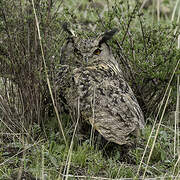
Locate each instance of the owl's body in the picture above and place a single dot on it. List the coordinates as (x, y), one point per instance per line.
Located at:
(91, 76)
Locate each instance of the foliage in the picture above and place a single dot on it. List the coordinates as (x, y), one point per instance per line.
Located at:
(31, 144)
(21, 66)
(86, 159)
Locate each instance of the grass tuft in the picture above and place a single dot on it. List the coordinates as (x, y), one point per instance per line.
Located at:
(31, 109)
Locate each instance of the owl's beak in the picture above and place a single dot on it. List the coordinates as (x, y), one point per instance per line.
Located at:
(86, 59)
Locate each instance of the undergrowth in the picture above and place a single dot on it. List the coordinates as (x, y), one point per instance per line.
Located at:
(87, 160)
(32, 120)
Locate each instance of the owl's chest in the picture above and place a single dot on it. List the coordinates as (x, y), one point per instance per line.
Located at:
(95, 82)
(99, 82)
(92, 76)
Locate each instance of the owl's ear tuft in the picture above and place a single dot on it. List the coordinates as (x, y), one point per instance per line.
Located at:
(107, 35)
(65, 27)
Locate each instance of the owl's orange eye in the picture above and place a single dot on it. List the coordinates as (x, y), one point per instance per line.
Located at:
(97, 52)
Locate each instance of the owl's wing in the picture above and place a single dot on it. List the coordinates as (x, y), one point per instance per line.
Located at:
(108, 102)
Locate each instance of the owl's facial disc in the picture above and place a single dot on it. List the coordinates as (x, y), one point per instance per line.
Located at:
(86, 49)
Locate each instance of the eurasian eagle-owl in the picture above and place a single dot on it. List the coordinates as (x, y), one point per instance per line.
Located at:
(90, 74)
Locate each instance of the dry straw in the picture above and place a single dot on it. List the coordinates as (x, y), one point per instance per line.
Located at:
(47, 78)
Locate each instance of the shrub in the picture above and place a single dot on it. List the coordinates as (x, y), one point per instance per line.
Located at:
(23, 82)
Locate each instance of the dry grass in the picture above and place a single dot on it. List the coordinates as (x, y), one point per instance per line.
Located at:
(57, 160)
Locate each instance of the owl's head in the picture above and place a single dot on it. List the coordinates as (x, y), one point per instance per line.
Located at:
(80, 51)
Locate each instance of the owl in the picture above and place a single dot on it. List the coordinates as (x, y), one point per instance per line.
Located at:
(92, 83)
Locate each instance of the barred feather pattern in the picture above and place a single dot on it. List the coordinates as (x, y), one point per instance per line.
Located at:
(106, 100)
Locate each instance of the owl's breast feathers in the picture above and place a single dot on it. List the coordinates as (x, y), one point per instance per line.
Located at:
(106, 100)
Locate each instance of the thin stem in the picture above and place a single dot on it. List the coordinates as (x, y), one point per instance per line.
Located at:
(47, 78)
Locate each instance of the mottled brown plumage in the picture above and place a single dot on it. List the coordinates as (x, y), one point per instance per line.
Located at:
(90, 72)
